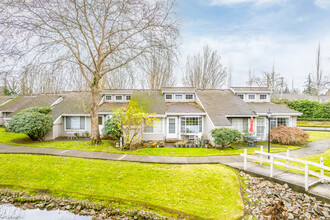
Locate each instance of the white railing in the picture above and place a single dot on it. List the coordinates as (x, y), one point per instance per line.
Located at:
(269, 158)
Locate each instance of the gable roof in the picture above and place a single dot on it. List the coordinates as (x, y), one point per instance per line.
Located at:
(252, 89)
(16, 103)
(73, 103)
(183, 107)
(220, 104)
(262, 108)
(43, 100)
(112, 106)
(4, 99)
(150, 101)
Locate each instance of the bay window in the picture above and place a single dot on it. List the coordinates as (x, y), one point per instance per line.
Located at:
(191, 125)
(75, 122)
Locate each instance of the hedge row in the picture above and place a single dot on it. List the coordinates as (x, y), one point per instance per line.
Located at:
(312, 110)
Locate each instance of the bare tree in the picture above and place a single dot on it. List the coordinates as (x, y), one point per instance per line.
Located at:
(98, 36)
(318, 73)
(157, 68)
(205, 70)
(123, 78)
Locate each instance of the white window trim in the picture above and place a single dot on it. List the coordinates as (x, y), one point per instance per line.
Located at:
(70, 130)
(178, 95)
(195, 116)
(170, 98)
(251, 95)
(263, 95)
(105, 98)
(118, 99)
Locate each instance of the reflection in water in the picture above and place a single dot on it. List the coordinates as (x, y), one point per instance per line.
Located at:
(10, 212)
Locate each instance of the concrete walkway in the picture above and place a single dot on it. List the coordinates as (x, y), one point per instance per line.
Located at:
(315, 128)
(322, 191)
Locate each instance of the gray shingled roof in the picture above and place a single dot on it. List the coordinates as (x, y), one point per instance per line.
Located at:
(262, 108)
(4, 99)
(178, 89)
(117, 91)
(73, 103)
(150, 101)
(221, 103)
(16, 103)
(43, 100)
(112, 106)
(252, 89)
(183, 107)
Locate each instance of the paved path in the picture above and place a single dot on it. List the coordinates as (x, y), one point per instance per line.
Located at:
(322, 191)
(315, 128)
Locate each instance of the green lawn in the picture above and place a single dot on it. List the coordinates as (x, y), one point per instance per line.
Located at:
(318, 135)
(22, 140)
(205, 191)
(313, 123)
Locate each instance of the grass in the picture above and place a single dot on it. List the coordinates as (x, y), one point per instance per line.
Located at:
(313, 123)
(205, 191)
(318, 135)
(23, 140)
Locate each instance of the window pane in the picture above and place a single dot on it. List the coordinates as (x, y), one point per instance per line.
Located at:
(168, 96)
(241, 96)
(100, 120)
(273, 123)
(200, 122)
(260, 127)
(119, 97)
(68, 123)
(189, 97)
(82, 123)
(128, 97)
(149, 129)
(252, 96)
(108, 97)
(282, 121)
(263, 96)
(183, 125)
(245, 125)
(171, 126)
(178, 96)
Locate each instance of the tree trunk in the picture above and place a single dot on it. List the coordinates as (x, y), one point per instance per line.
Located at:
(95, 136)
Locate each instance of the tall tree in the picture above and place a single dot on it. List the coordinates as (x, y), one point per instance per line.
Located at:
(98, 36)
(318, 73)
(157, 68)
(309, 88)
(205, 70)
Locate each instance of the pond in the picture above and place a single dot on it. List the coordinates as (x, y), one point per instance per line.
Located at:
(10, 212)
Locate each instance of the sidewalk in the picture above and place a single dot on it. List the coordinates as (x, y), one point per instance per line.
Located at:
(322, 191)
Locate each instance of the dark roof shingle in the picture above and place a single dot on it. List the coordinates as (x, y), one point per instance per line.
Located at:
(262, 108)
(183, 107)
(150, 101)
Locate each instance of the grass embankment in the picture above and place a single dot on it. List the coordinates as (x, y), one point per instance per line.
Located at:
(313, 123)
(206, 191)
(23, 140)
(318, 135)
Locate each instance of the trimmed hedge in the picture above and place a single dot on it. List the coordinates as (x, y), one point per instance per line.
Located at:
(312, 110)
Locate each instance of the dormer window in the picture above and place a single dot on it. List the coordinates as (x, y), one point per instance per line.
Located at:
(252, 96)
(128, 97)
(168, 96)
(189, 97)
(241, 96)
(178, 97)
(119, 97)
(108, 97)
(263, 97)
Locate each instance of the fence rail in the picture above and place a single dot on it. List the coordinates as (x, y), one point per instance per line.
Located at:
(265, 157)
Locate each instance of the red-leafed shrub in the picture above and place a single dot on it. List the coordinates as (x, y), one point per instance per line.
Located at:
(288, 135)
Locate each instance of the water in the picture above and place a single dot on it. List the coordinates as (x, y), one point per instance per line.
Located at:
(10, 212)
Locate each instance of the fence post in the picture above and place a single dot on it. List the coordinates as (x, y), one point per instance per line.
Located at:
(306, 177)
(287, 160)
(261, 156)
(322, 170)
(245, 159)
(271, 165)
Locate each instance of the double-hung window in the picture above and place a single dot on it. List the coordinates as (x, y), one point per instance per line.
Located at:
(275, 122)
(75, 123)
(191, 125)
(241, 124)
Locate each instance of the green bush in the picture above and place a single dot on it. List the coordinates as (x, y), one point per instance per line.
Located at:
(310, 109)
(112, 127)
(34, 122)
(225, 136)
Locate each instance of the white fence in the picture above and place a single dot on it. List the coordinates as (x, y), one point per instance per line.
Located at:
(270, 158)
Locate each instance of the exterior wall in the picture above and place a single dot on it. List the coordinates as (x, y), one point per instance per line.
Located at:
(294, 121)
(180, 100)
(157, 135)
(58, 128)
(2, 122)
(207, 127)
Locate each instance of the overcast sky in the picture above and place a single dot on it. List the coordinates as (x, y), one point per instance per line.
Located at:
(254, 34)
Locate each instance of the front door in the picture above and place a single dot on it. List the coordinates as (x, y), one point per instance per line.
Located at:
(101, 125)
(172, 128)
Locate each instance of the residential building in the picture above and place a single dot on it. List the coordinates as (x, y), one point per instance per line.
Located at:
(181, 111)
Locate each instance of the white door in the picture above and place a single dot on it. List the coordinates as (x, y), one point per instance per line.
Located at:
(172, 127)
(101, 125)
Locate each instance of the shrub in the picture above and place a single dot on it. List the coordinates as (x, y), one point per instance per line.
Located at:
(34, 122)
(112, 127)
(225, 136)
(288, 135)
